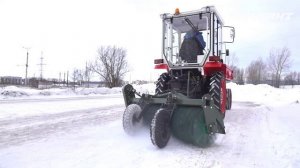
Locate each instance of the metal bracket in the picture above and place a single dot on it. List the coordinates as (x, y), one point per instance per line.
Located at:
(128, 94)
(213, 119)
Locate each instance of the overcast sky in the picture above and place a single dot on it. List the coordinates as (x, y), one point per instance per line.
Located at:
(68, 32)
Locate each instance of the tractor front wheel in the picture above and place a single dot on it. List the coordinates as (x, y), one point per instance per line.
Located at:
(131, 118)
(160, 130)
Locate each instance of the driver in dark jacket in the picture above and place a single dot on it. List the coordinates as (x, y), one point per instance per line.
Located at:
(192, 45)
(198, 36)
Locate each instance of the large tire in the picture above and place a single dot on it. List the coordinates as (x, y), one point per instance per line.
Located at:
(227, 99)
(131, 120)
(230, 99)
(215, 91)
(160, 129)
(162, 83)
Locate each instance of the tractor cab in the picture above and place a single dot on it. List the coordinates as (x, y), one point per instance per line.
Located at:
(190, 38)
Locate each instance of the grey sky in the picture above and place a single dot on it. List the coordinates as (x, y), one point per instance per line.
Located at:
(69, 32)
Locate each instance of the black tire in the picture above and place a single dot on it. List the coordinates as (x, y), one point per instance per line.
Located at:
(162, 83)
(227, 99)
(215, 90)
(160, 130)
(230, 99)
(131, 120)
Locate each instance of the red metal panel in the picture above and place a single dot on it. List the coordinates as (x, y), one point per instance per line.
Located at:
(161, 66)
(229, 73)
(212, 67)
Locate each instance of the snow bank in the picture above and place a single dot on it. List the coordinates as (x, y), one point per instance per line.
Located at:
(23, 92)
(145, 88)
(265, 94)
(260, 94)
(13, 91)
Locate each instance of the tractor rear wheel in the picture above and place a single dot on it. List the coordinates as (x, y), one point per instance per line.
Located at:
(227, 99)
(131, 120)
(160, 129)
(230, 99)
(217, 90)
(162, 83)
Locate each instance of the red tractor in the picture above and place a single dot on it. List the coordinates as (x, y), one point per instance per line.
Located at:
(191, 98)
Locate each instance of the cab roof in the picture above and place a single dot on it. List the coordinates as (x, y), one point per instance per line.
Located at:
(195, 17)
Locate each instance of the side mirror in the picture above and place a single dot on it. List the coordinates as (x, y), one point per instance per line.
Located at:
(231, 31)
(227, 52)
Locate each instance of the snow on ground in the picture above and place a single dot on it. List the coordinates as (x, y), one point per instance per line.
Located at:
(261, 131)
(13, 92)
(265, 94)
(23, 92)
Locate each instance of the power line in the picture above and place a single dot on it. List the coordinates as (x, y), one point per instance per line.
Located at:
(41, 64)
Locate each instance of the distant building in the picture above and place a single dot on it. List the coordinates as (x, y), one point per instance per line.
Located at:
(10, 80)
(40, 84)
(93, 84)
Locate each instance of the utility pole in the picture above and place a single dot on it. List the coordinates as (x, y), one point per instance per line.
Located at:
(26, 65)
(41, 64)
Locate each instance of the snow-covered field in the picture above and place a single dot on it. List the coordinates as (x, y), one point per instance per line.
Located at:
(62, 128)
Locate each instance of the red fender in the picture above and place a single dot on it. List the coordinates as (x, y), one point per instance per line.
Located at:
(212, 67)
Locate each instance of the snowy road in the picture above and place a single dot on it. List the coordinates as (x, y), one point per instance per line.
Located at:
(34, 100)
(88, 133)
(42, 122)
(19, 130)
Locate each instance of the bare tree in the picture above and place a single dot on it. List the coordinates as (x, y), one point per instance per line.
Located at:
(291, 79)
(256, 71)
(278, 62)
(111, 65)
(77, 77)
(88, 73)
(239, 76)
(298, 78)
(238, 73)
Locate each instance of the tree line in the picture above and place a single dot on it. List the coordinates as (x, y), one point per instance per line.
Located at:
(273, 71)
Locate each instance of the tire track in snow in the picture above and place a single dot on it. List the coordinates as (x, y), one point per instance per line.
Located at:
(19, 130)
(34, 100)
(246, 140)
